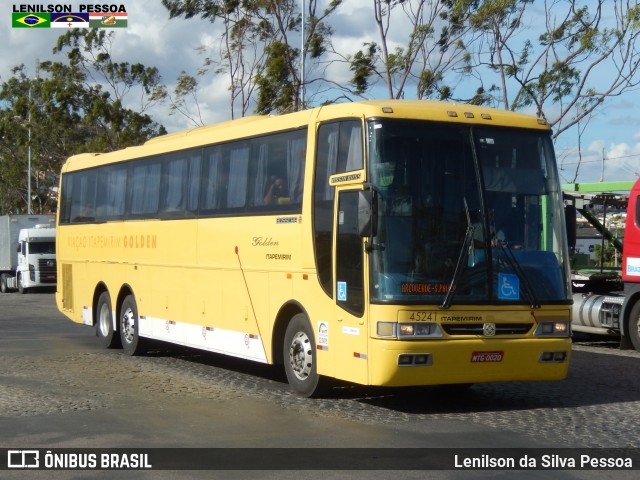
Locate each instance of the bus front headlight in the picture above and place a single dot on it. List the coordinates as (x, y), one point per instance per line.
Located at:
(409, 330)
(553, 329)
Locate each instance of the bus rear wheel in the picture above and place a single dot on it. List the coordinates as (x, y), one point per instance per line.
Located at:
(299, 352)
(104, 325)
(132, 344)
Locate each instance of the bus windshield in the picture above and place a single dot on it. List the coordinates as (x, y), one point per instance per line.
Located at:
(466, 215)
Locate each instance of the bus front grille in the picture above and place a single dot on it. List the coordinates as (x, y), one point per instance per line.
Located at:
(478, 328)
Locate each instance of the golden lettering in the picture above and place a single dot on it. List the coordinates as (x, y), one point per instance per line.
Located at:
(140, 241)
(112, 241)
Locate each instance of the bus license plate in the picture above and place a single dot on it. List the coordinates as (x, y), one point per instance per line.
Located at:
(486, 357)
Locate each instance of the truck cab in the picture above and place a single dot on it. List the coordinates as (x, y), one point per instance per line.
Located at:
(609, 304)
(36, 258)
(27, 252)
(36, 253)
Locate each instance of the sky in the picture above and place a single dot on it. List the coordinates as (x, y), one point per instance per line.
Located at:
(152, 39)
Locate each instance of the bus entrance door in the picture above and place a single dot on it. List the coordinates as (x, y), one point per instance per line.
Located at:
(351, 320)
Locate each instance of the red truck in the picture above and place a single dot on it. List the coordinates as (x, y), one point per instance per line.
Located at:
(610, 304)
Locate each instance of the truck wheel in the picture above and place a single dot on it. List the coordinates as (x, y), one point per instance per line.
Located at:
(633, 327)
(299, 352)
(3, 283)
(132, 344)
(104, 324)
(21, 287)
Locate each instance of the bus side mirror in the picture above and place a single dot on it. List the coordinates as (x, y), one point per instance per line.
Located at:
(570, 220)
(367, 213)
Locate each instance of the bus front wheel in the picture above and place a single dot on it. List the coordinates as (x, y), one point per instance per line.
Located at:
(132, 344)
(105, 332)
(299, 351)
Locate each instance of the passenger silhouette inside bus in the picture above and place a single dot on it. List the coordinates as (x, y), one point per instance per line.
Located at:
(276, 192)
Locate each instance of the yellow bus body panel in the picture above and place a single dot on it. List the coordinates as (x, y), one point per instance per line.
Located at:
(224, 284)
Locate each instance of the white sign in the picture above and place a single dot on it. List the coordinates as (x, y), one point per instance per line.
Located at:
(633, 267)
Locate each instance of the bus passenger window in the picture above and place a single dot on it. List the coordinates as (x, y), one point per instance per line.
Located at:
(83, 204)
(339, 149)
(296, 153)
(214, 180)
(174, 190)
(143, 188)
(238, 170)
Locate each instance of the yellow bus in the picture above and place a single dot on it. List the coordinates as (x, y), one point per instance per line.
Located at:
(392, 243)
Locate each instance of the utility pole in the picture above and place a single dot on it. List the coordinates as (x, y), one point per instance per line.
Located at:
(29, 152)
(302, 55)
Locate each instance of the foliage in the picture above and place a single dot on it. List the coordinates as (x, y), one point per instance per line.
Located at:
(257, 50)
(585, 53)
(434, 48)
(606, 257)
(67, 108)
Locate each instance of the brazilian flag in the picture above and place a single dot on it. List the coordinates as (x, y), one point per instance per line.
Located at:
(31, 20)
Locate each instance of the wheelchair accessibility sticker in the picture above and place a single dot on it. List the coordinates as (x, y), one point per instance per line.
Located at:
(508, 286)
(342, 291)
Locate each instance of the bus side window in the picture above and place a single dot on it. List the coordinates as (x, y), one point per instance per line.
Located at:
(174, 183)
(84, 197)
(213, 181)
(180, 183)
(143, 188)
(238, 172)
(277, 173)
(112, 187)
(64, 215)
(339, 149)
(195, 164)
(296, 156)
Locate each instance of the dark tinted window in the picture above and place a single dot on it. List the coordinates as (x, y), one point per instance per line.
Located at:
(339, 149)
(261, 175)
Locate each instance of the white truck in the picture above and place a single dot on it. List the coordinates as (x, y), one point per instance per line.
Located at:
(27, 252)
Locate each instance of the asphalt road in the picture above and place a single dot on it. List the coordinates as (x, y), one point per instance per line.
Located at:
(59, 389)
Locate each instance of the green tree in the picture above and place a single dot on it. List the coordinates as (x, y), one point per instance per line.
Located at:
(260, 50)
(115, 94)
(585, 53)
(606, 257)
(434, 47)
(65, 110)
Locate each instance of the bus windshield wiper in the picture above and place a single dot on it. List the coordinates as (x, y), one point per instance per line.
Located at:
(515, 266)
(468, 241)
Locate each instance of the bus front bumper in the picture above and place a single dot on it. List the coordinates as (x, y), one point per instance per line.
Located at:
(441, 362)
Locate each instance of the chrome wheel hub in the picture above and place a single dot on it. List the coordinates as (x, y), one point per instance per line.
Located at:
(301, 356)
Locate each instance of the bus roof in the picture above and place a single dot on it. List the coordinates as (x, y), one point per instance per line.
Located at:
(258, 125)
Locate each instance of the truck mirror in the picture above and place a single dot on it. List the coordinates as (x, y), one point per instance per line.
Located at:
(570, 219)
(18, 248)
(367, 213)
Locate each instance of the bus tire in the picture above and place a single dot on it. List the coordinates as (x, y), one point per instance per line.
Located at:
(107, 336)
(633, 326)
(132, 344)
(299, 353)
